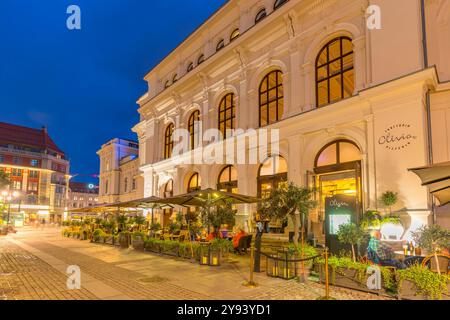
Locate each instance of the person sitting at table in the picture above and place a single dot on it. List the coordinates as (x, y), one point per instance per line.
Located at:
(224, 231)
(215, 234)
(238, 236)
(383, 252)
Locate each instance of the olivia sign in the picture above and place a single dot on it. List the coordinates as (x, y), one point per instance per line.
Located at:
(397, 137)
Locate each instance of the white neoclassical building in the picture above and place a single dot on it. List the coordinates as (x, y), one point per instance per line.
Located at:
(355, 106)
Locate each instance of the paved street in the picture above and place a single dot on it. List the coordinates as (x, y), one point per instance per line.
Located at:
(33, 265)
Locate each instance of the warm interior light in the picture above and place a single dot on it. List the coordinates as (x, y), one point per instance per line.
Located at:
(4, 193)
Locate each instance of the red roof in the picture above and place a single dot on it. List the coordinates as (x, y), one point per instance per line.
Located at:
(30, 137)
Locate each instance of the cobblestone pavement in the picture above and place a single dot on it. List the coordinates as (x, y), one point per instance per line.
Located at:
(33, 264)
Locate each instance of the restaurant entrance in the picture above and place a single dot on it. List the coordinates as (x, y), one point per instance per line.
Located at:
(338, 185)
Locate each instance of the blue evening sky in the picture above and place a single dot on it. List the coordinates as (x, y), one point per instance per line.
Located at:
(83, 84)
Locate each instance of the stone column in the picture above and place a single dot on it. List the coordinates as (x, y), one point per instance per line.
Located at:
(359, 50)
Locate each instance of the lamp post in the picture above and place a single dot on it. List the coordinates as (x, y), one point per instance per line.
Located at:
(8, 196)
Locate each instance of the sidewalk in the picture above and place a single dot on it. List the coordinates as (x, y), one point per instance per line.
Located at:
(110, 273)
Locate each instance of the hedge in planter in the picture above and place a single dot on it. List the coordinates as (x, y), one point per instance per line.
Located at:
(419, 283)
(344, 272)
(170, 247)
(153, 245)
(97, 235)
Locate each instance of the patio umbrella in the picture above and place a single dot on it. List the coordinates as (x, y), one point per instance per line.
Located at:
(437, 178)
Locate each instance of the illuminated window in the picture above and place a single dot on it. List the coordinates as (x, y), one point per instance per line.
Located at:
(32, 186)
(193, 124)
(235, 34)
(33, 174)
(201, 59)
(279, 3)
(338, 152)
(227, 114)
(271, 101)
(260, 15)
(194, 183)
(16, 185)
(16, 172)
(271, 173)
(334, 72)
(190, 67)
(34, 162)
(220, 45)
(168, 141)
(228, 180)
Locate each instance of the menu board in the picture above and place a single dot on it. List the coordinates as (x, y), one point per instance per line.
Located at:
(340, 210)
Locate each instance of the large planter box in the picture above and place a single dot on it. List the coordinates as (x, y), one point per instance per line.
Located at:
(138, 244)
(124, 241)
(407, 290)
(153, 247)
(170, 250)
(109, 240)
(348, 278)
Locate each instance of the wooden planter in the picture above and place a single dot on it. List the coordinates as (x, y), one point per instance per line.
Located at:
(109, 240)
(138, 244)
(171, 251)
(408, 291)
(124, 241)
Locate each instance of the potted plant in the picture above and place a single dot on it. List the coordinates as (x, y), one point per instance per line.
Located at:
(97, 235)
(419, 283)
(302, 252)
(219, 248)
(137, 240)
(170, 247)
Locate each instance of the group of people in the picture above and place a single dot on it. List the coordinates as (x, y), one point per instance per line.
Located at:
(223, 233)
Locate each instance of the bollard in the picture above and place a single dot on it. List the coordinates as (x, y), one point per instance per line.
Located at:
(251, 283)
(327, 280)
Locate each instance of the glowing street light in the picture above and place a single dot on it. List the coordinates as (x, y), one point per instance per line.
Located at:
(9, 196)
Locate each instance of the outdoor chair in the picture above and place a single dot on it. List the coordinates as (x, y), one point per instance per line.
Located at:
(244, 244)
(443, 260)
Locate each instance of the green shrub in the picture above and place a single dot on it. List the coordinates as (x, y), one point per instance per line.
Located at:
(428, 283)
(307, 251)
(137, 234)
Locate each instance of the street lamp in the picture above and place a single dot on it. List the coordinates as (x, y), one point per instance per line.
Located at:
(8, 197)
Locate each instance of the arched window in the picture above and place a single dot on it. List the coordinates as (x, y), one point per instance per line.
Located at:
(338, 153)
(167, 84)
(201, 59)
(194, 183)
(126, 185)
(260, 15)
(168, 189)
(271, 102)
(279, 3)
(175, 78)
(228, 180)
(227, 114)
(235, 34)
(271, 173)
(193, 129)
(190, 67)
(168, 141)
(220, 45)
(334, 72)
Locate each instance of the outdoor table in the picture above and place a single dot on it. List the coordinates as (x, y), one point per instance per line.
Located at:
(411, 257)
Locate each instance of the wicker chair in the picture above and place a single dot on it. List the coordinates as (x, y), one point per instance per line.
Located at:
(443, 260)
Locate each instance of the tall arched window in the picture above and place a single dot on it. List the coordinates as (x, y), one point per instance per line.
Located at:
(228, 180)
(220, 45)
(337, 154)
(334, 72)
(260, 15)
(168, 141)
(201, 59)
(271, 173)
(193, 129)
(235, 34)
(279, 3)
(125, 187)
(194, 183)
(227, 114)
(271, 102)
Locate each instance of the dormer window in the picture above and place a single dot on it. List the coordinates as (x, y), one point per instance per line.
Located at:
(175, 78)
(167, 84)
(201, 59)
(220, 45)
(260, 15)
(235, 34)
(279, 3)
(190, 67)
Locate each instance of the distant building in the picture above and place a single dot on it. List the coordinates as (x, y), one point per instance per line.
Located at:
(38, 170)
(120, 178)
(82, 195)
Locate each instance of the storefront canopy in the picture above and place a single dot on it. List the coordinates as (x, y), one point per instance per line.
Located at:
(437, 178)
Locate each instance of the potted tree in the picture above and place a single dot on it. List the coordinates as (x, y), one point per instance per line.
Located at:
(289, 201)
(351, 234)
(433, 239)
